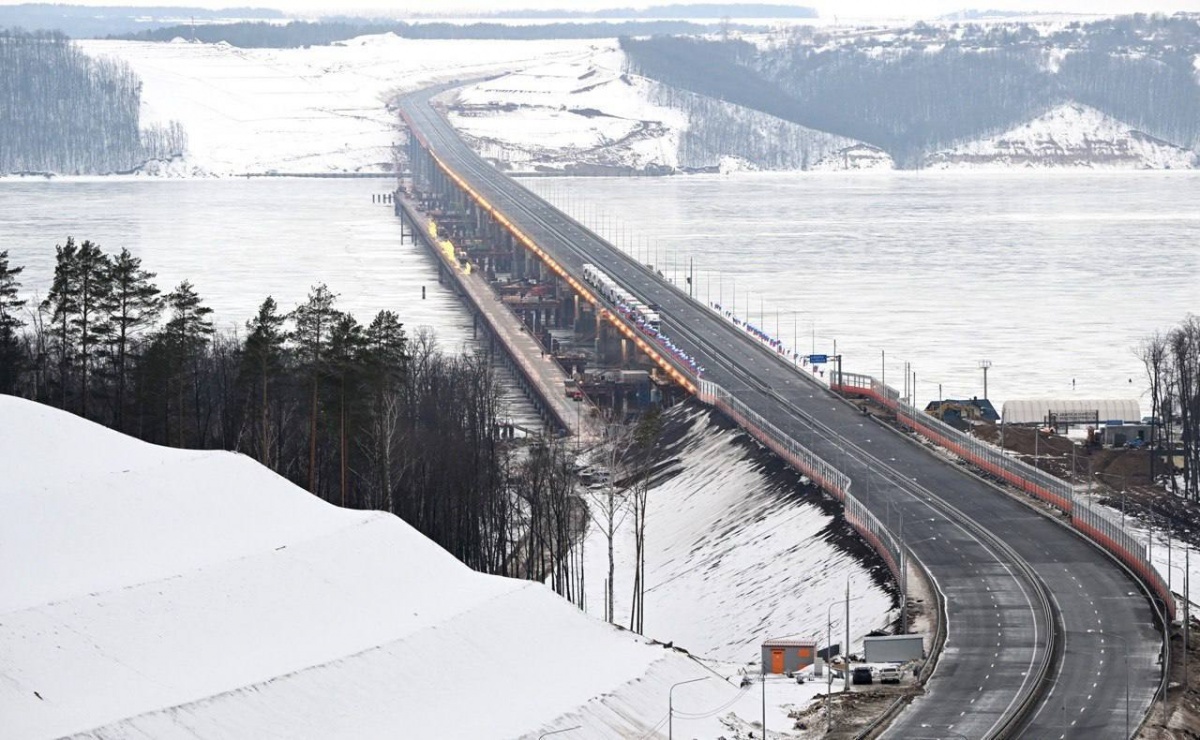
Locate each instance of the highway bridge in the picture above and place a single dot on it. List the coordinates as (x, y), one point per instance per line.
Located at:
(1047, 636)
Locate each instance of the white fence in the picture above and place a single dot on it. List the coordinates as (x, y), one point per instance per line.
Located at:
(821, 472)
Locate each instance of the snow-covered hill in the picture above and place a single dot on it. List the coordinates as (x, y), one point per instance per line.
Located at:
(151, 592)
(587, 115)
(318, 110)
(1069, 135)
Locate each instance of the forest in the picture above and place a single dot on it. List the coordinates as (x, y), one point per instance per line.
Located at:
(295, 34)
(913, 91)
(362, 415)
(67, 113)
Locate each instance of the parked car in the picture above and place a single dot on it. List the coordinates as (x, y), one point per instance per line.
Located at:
(889, 674)
(861, 675)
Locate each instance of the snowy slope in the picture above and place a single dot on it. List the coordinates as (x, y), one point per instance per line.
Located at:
(713, 528)
(582, 111)
(152, 592)
(588, 115)
(1070, 135)
(317, 110)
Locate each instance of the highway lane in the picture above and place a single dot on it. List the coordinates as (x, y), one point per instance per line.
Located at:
(992, 575)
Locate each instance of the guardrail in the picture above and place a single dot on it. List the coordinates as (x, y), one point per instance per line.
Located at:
(1085, 517)
(817, 469)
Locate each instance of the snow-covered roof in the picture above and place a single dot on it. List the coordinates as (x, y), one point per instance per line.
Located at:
(1034, 410)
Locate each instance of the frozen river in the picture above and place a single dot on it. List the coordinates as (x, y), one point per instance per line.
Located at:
(1054, 277)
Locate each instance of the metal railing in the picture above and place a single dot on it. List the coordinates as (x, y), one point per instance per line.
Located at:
(1085, 516)
(825, 475)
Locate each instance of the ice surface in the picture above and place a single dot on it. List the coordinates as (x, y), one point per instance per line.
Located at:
(1053, 276)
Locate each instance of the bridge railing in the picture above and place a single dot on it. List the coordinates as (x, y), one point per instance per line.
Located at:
(837, 483)
(1090, 520)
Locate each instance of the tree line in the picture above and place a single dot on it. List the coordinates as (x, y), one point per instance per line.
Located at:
(65, 112)
(363, 416)
(296, 34)
(1172, 362)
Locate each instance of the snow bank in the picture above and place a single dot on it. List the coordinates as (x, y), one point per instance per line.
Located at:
(317, 110)
(167, 593)
(1070, 135)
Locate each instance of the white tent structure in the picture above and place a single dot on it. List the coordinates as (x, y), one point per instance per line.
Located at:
(1036, 411)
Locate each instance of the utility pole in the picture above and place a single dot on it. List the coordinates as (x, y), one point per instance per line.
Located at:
(846, 684)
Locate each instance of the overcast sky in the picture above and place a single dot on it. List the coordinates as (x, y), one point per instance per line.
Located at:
(844, 9)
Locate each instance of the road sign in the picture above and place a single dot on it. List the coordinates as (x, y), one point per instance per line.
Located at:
(818, 359)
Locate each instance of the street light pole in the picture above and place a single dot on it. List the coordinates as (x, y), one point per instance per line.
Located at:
(671, 704)
(828, 646)
(984, 365)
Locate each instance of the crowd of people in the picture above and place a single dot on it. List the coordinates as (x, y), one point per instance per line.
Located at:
(767, 339)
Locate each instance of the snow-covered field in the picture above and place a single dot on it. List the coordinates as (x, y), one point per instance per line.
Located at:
(151, 592)
(317, 110)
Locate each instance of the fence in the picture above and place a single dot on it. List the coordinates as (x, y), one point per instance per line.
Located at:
(821, 472)
(1110, 535)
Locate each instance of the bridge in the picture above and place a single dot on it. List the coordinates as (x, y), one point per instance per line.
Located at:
(1048, 632)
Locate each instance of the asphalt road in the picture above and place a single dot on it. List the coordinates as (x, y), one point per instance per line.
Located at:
(1036, 615)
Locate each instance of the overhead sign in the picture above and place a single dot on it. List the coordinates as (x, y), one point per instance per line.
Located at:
(818, 359)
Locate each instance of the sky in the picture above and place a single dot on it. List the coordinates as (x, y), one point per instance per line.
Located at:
(828, 10)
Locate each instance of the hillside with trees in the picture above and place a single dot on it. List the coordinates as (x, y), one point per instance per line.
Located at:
(360, 414)
(916, 90)
(70, 114)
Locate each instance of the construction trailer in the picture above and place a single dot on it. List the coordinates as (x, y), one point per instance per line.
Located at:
(787, 655)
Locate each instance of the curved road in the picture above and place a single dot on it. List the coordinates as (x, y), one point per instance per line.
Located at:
(1036, 615)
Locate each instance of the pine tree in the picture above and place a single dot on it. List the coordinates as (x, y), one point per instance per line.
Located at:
(385, 365)
(187, 333)
(314, 321)
(345, 349)
(93, 329)
(62, 303)
(134, 303)
(10, 344)
(262, 361)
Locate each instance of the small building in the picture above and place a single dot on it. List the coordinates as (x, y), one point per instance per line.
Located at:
(1120, 435)
(893, 648)
(787, 655)
(1068, 411)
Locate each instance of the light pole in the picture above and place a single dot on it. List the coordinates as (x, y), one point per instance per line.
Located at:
(828, 645)
(905, 548)
(1186, 601)
(1125, 647)
(984, 365)
(671, 704)
(1124, 482)
(555, 732)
